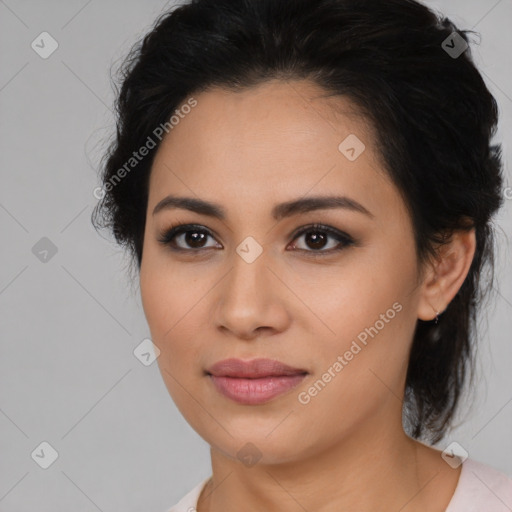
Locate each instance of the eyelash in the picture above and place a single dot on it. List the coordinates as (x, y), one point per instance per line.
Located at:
(345, 240)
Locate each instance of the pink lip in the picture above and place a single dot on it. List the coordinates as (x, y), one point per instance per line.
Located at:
(254, 382)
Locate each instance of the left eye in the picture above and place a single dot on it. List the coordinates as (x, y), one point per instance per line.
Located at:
(316, 238)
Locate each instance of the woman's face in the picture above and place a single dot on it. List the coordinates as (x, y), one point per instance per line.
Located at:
(250, 286)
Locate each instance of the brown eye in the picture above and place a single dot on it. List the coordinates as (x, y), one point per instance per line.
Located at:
(186, 237)
(316, 239)
(319, 240)
(195, 239)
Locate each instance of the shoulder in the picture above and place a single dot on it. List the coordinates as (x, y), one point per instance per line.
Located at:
(189, 502)
(481, 488)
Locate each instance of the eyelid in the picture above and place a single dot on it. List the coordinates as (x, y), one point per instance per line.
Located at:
(178, 228)
(320, 227)
(344, 239)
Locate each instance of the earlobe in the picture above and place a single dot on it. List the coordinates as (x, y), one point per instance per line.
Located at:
(446, 274)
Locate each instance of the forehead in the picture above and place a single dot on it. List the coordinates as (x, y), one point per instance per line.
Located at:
(295, 112)
(277, 138)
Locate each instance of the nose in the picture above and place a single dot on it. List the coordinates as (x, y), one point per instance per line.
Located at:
(251, 299)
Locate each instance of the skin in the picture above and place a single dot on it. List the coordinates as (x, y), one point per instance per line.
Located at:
(345, 450)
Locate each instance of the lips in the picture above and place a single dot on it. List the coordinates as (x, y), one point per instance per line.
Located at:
(254, 382)
(253, 369)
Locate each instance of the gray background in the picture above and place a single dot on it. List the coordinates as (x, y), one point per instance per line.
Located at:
(69, 326)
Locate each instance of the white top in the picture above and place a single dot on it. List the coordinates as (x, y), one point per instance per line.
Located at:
(481, 488)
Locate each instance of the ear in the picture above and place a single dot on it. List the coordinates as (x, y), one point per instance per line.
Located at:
(444, 277)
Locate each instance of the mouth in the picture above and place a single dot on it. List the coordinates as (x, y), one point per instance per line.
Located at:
(254, 382)
(253, 369)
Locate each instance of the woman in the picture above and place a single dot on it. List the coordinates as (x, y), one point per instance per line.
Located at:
(307, 189)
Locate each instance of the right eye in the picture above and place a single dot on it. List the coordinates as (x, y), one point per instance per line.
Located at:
(192, 235)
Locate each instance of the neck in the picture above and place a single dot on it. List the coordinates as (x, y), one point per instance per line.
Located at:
(371, 469)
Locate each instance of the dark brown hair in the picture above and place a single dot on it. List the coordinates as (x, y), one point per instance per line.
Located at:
(432, 112)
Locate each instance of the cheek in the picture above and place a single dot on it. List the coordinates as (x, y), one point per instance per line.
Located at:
(164, 291)
(345, 298)
(168, 309)
(361, 368)
(364, 313)
(171, 298)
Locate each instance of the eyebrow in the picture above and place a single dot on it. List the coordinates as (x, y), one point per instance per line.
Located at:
(279, 211)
